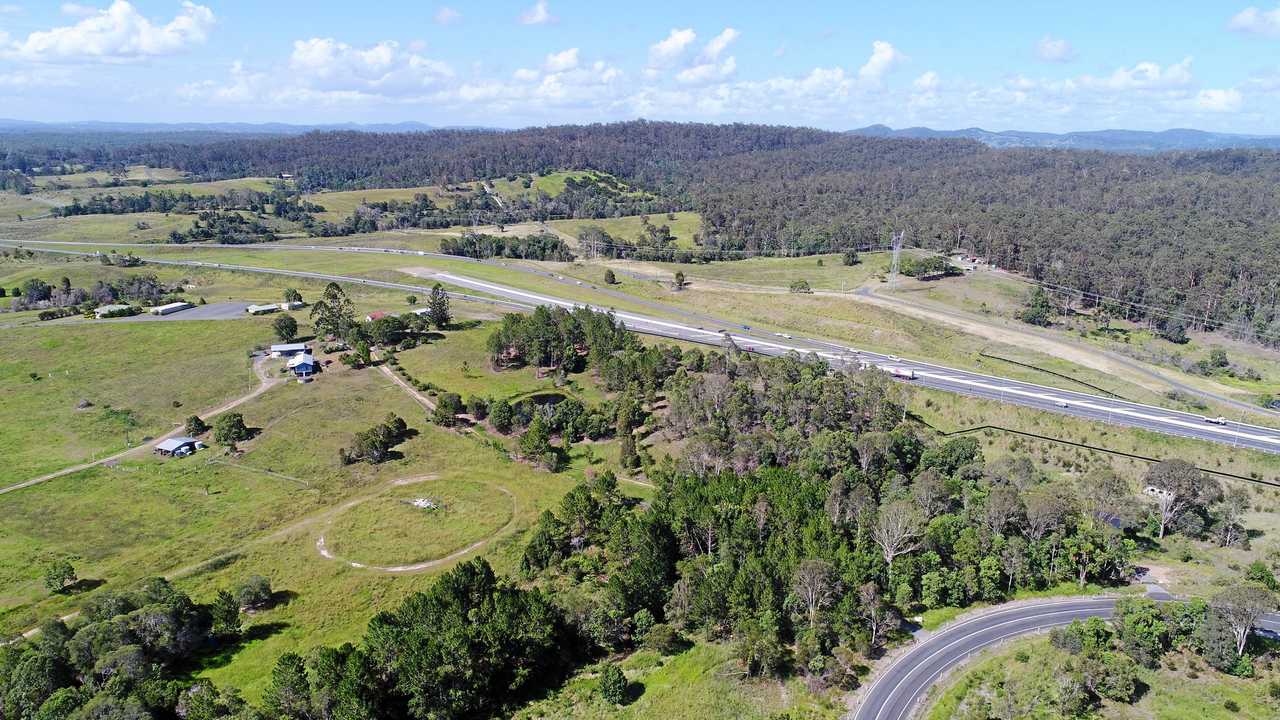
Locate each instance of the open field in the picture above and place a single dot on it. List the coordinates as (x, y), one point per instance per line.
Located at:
(95, 178)
(208, 520)
(683, 227)
(702, 682)
(141, 379)
(390, 530)
(552, 184)
(37, 203)
(339, 205)
(1187, 691)
(460, 364)
(769, 272)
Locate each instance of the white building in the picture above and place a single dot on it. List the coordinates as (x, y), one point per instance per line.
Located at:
(106, 309)
(171, 308)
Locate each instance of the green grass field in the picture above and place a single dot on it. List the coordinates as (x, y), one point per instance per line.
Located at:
(96, 178)
(142, 378)
(208, 521)
(442, 364)
(339, 205)
(702, 682)
(389, 530)
(683, 227)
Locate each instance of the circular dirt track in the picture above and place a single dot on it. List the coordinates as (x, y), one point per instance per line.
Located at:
(385, 529)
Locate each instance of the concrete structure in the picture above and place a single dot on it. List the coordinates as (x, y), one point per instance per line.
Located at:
(261, 309)
(105, 309)
(171, 308)
(289, 349)
(178, 446)
(292, 305)
(303, 365)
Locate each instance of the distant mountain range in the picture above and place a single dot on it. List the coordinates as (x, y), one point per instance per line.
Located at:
(10, 125)
(1140, 141)
(1132, 141)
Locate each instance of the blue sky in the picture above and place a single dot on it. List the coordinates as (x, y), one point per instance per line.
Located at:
(1000, 65)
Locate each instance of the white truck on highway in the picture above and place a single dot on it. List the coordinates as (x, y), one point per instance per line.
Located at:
(900, 372)
(1215, 420)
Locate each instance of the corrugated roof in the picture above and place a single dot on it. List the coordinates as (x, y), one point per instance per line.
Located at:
(174, 443)
(303, 359)
(289, 347)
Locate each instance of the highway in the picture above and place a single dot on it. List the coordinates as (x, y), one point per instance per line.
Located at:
(707, 330)
(897, 691)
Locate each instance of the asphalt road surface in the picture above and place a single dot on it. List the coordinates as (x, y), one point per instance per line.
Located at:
(710, 331)
(896, 692)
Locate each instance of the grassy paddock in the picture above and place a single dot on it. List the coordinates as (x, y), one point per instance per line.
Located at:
(683, 227)
(141, 378)
(701, 682)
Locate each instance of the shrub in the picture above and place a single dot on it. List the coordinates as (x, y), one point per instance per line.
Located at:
(613, 685)
(195, 426)
(254, 593)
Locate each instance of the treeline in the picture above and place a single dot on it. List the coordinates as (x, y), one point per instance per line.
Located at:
(642, 153)
(536, 246)
(1194, 233)
(35, 293)
(1191, 232)
(369, 217)
(226, 228)
(279, 203)
(128, 655)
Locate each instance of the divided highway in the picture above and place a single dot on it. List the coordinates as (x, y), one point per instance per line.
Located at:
(719, 333)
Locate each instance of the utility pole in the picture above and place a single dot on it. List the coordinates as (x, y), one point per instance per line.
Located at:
(897, 251)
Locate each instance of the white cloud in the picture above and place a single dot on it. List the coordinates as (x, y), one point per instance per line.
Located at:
(1144, 76)
(1051, 49)
(666, 51)
(10, 9)
(884, 57)
(525, 74)
(561, 61)
(719, 43)
(447, 16)
(325, 64)
(77, 10)
(707, 72)
(539, 14)
(1254, 21)
(1212, 100)
(118, 34)
(927, 82)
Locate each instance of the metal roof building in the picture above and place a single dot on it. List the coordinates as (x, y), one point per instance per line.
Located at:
(172, 307)
(175, 444)
(289, 349)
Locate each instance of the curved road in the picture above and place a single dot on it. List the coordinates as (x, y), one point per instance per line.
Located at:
(896, 693)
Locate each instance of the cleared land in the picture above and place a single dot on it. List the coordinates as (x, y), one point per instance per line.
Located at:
(702, 682)
(339, 205)
(96, 178)
(140, 378)
(392, 530)
(1181, 689)
(684, 226)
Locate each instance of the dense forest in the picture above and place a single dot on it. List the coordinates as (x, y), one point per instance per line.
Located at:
(1194, 232)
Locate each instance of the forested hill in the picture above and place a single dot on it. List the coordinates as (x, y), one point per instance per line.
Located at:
(1197, 232)
(659, 156)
